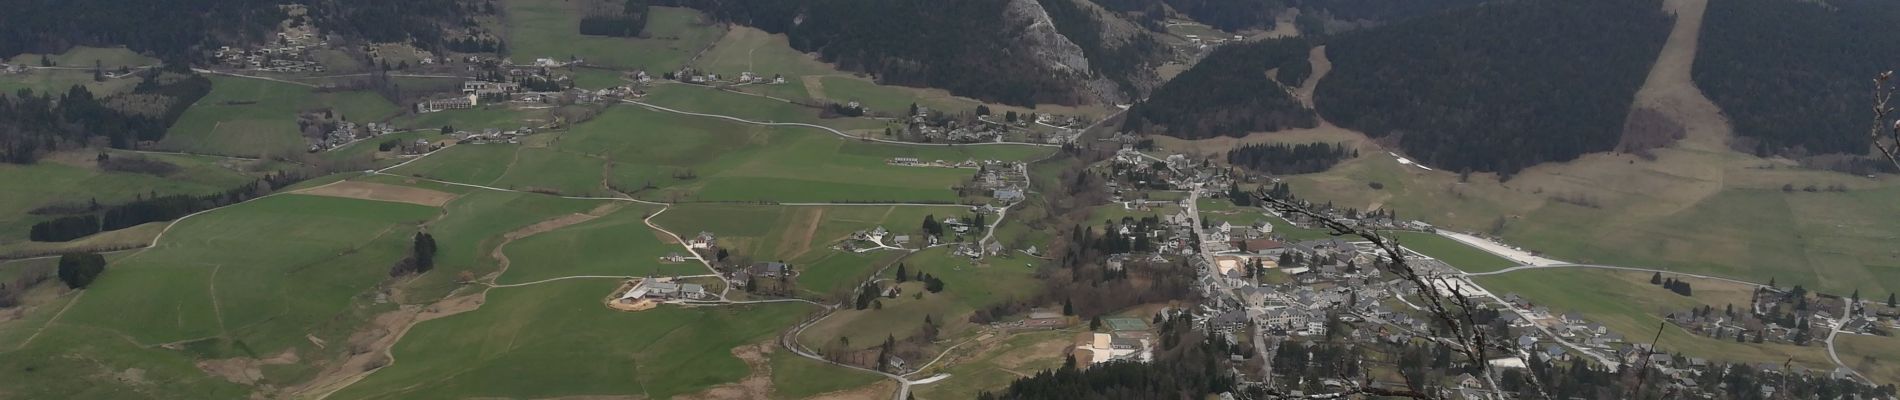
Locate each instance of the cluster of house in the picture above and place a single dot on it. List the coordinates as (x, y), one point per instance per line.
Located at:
(8, 69)
(879, 238)
(347, 132)
(491, 135)
(691, 75)
(914, 162)
(1209, 41)
(289, 53)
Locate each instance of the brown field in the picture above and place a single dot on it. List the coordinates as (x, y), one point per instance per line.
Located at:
(381, 192)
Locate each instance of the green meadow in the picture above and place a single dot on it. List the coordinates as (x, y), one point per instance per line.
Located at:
(551, 29)
(253, 117)
(1459, 255)
(556, 339)
(967, 287)
(472, 226)
(110, 58)
(618, 244)
(795, 377)
(76, 178)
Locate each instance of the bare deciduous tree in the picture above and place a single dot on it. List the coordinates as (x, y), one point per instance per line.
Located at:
(1886, 130)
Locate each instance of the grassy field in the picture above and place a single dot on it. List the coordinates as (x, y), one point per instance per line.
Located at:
(75, 177)
(1873, 356)
(254, 117)
(472, 226)
(551, 29)
(57, 82)
(701, 99)
(993, 366)
(795, 377)
(748, 49)
(86, 57)
(691, 158)
(556, 339)
(803, 235)
(474, 119)
(967, 287)
(1627, 304)
(478, 164)
(618, 244)
(1459, 255)
(590, 78)
(1217, 211)
(305, 263)
(547, 170)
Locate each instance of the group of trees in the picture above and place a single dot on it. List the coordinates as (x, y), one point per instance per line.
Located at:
(1792, 75)
(33, 124)
(629, 22)
(153, 208)
(967, 47)
(1678, 286)
(421, 256)
(1125, 56)
(182, 31)
(1497, 87)
(1282, 158)
(1229, 94)
(78, 270)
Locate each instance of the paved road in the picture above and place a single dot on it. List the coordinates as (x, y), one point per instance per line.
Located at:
(1595, 266)
(829, 129)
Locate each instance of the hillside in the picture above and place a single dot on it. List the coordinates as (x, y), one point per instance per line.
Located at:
(1230, 94)
(1793, 76)
(1007, 51)
(1498, 87)
(187, 29)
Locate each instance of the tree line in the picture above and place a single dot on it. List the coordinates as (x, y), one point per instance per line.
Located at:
(34, 124)
(1287, 159)
(153, 208)
(1229, 94)
(183, 31)
(630, 22)
(1497, 87)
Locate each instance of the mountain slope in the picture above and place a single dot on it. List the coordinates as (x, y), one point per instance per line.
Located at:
(1007, 51)
(1794, 76)
(1497, 87)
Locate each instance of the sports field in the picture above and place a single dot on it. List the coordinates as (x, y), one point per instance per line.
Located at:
(551, 29)
(556, 339)
(253, 117)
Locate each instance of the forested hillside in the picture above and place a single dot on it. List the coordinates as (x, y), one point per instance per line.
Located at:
(972, 48)
(1234, 15)
(1498, 87)
(1796, 75)
(1117, 50)
(185, 29)
(1230, 94)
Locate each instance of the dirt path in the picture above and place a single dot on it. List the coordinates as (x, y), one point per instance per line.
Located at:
(49, 321)
(798, 241)
(814, 87)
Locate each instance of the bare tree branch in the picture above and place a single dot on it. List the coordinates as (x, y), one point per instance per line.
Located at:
(1886, 130)
(1472, 340)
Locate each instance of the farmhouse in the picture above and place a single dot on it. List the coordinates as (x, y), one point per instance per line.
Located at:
(705, 240)
(768, 269)
(670, 290)
(451, 103)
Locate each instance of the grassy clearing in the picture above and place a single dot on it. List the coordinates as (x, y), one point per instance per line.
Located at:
(547, 29)
(556, 339)
(795, 377)
(590, 78)
(255, 117)
(803, 236)
(618, 244)
(695, 98)
(1459, 255)
(748, 49)
(1627, 304)
(690, 158)
(75, 177)
(110, 58)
